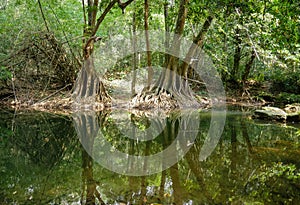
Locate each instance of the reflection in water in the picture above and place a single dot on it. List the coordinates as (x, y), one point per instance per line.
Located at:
(42, 161)
(34, 149)
(88, 182)
(155, 143)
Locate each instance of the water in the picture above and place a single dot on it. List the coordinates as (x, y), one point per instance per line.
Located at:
(45, 159)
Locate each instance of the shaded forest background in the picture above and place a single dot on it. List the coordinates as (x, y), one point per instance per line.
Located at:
(254, 45)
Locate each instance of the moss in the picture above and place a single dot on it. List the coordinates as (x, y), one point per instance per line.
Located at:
(287, 98)
(266, 96)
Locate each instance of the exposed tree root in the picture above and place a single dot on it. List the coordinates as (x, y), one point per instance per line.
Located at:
(171, 91)
(151, 100)
(89, 91)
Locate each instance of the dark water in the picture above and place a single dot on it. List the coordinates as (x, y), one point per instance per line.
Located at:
(147, 158)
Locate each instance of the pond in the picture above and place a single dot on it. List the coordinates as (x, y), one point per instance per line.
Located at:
(122, 157)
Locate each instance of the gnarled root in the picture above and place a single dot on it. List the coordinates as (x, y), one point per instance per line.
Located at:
(147, 100)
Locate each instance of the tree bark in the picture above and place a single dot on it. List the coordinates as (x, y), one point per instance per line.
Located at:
(88, 179)
(237, 55)
(87, 127)
(248, 66)
(193, 53)
(169, 76)
(167, 30)
(197, 43)
(146, 26)
(177, 189)
(134, 60)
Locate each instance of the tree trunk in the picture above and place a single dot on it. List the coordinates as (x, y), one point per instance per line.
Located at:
(237, 55)
(193, 53)
(248, 66)
(192, 158)
(172, 87)
(168, 78)
(167, 30)
(146, 26)
(167, 92)
(134, 60)
(89, 89)
(88, 180)
(198, 42)
(177, 189)
(162, 184)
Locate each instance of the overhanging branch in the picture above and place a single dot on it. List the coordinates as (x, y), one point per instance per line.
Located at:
(124, 5)
(107, 9)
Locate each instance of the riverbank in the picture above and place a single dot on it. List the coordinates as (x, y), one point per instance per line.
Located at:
(60, 100)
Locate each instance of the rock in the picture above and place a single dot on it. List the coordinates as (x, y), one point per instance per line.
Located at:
(270, 113)
(292, 108)
(291, 113)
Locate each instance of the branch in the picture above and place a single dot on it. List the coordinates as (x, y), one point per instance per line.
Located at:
(107, 9)
(124, 5)
(247, 32)
(179, 28)
(94, 11)
(65, 35)
(195, 81)
(93, 38)
(101, 18)
(197, 43)
(49, 96)
(182, 14)
(200, 37)
(86, 47)
(84, 13)
(44, 18)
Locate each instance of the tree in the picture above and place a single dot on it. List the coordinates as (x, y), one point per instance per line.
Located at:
(146, 25)
(172, 85)
(88, 88)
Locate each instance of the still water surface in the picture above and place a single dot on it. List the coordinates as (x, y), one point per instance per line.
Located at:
(45, 159)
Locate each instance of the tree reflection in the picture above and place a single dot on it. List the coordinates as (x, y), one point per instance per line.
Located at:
(228, 174)
(42, 161)
(87, 127)
(89, 184)
(89, 124)
(43, 137)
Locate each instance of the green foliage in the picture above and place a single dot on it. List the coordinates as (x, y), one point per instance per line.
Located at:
(298, 133)
(286, 81)
(275, 184)
(269, 28)
(266, 96)
(288, 98)
(21, 18)
(5, 134)
(5, 74)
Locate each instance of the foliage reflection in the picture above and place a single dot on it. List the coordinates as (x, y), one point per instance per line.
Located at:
(42, 161)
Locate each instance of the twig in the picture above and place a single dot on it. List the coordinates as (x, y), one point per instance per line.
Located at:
(66, 37)
(196, 81)
(49, 96)
(14, 87)
(44, 18)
